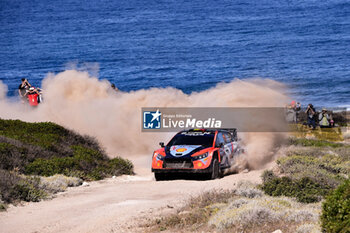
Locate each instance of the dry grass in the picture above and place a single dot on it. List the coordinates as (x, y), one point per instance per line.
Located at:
(250, 214)
(248, 189)
(58, 183)
(245, 209)
(327, 134)
(193, 216)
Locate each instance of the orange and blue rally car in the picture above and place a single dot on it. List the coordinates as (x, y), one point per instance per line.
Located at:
(206, 151)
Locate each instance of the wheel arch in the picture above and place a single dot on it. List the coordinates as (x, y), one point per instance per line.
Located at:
(216, 155)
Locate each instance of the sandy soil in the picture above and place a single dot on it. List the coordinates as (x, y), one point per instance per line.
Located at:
(111, 205)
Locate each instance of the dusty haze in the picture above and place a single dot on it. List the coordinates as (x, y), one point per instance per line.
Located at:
(89, 106)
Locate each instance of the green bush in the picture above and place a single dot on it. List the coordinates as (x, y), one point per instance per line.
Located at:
(304, 189)
(87, 163)
(46, 149)
(2, 207)
(118, 166)
(336, 210)
(28, 190)
(50, 167)
(267, 176)
(328, 169)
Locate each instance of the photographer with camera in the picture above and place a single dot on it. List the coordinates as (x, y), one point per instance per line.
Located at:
(324, 118)
(23, 88)
(311, 114)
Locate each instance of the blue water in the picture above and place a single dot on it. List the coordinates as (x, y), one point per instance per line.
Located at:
(187, 44)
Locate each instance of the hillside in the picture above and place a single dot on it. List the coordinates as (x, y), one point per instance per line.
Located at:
(31, 151)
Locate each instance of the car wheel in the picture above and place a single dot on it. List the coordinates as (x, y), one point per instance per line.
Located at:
(159, 176)
(215, 173)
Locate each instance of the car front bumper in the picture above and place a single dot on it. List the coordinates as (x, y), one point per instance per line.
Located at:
(183, 170)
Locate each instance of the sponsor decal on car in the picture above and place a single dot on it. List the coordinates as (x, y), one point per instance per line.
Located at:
(181, 150)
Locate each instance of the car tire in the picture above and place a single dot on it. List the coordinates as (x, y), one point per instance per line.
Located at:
(159, 176)
(215, 172)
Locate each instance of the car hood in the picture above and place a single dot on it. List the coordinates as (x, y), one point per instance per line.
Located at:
(183, 150)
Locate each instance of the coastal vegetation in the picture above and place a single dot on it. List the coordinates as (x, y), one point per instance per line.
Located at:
(40, 159)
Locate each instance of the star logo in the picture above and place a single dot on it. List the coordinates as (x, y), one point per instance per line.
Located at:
(156, 115)
(152, 119)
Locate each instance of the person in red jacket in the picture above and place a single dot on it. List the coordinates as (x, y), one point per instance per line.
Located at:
(33, 96)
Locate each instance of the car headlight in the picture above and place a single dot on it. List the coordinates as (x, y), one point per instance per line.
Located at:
(158, 156)
(202, 156)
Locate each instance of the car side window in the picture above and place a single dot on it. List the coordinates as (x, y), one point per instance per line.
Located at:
(219, 140)
(227, 137)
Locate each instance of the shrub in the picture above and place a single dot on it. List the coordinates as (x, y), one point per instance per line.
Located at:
(47, 149)
(118, 166)
(44, 134)
(247, 189)
(28, 189)
(261, 214)
(8, 181)
(21, 143)
(267, 176)
(86, 163)
(49, 167)
(225, 211)
(336, 210)
(196, 211)
(15, 188)
(209, 198)
(304, 189)
(2, 207)
(58, 183)
(328, 169)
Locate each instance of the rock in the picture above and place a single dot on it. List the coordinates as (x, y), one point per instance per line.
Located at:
(85, 184)
(277, 231)
(113, 177)
(245, 171)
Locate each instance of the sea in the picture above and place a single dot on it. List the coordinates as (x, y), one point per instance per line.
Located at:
(188, 44)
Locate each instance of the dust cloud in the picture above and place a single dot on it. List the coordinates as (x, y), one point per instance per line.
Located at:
(89, 106)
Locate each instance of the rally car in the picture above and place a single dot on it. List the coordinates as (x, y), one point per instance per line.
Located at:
(207, 151)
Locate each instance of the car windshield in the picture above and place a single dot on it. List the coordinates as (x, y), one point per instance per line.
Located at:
(193, 138)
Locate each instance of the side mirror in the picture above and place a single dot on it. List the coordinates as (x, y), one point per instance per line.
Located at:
(161, 144)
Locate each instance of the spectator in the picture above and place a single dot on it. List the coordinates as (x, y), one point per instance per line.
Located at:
(311, 113)
(33, 96)
(23, 88)
(292, 111)
(290, 114)
(114, 87)
(324, 119)
(297, 108)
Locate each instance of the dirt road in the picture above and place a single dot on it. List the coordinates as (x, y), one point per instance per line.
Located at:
(111, 205)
